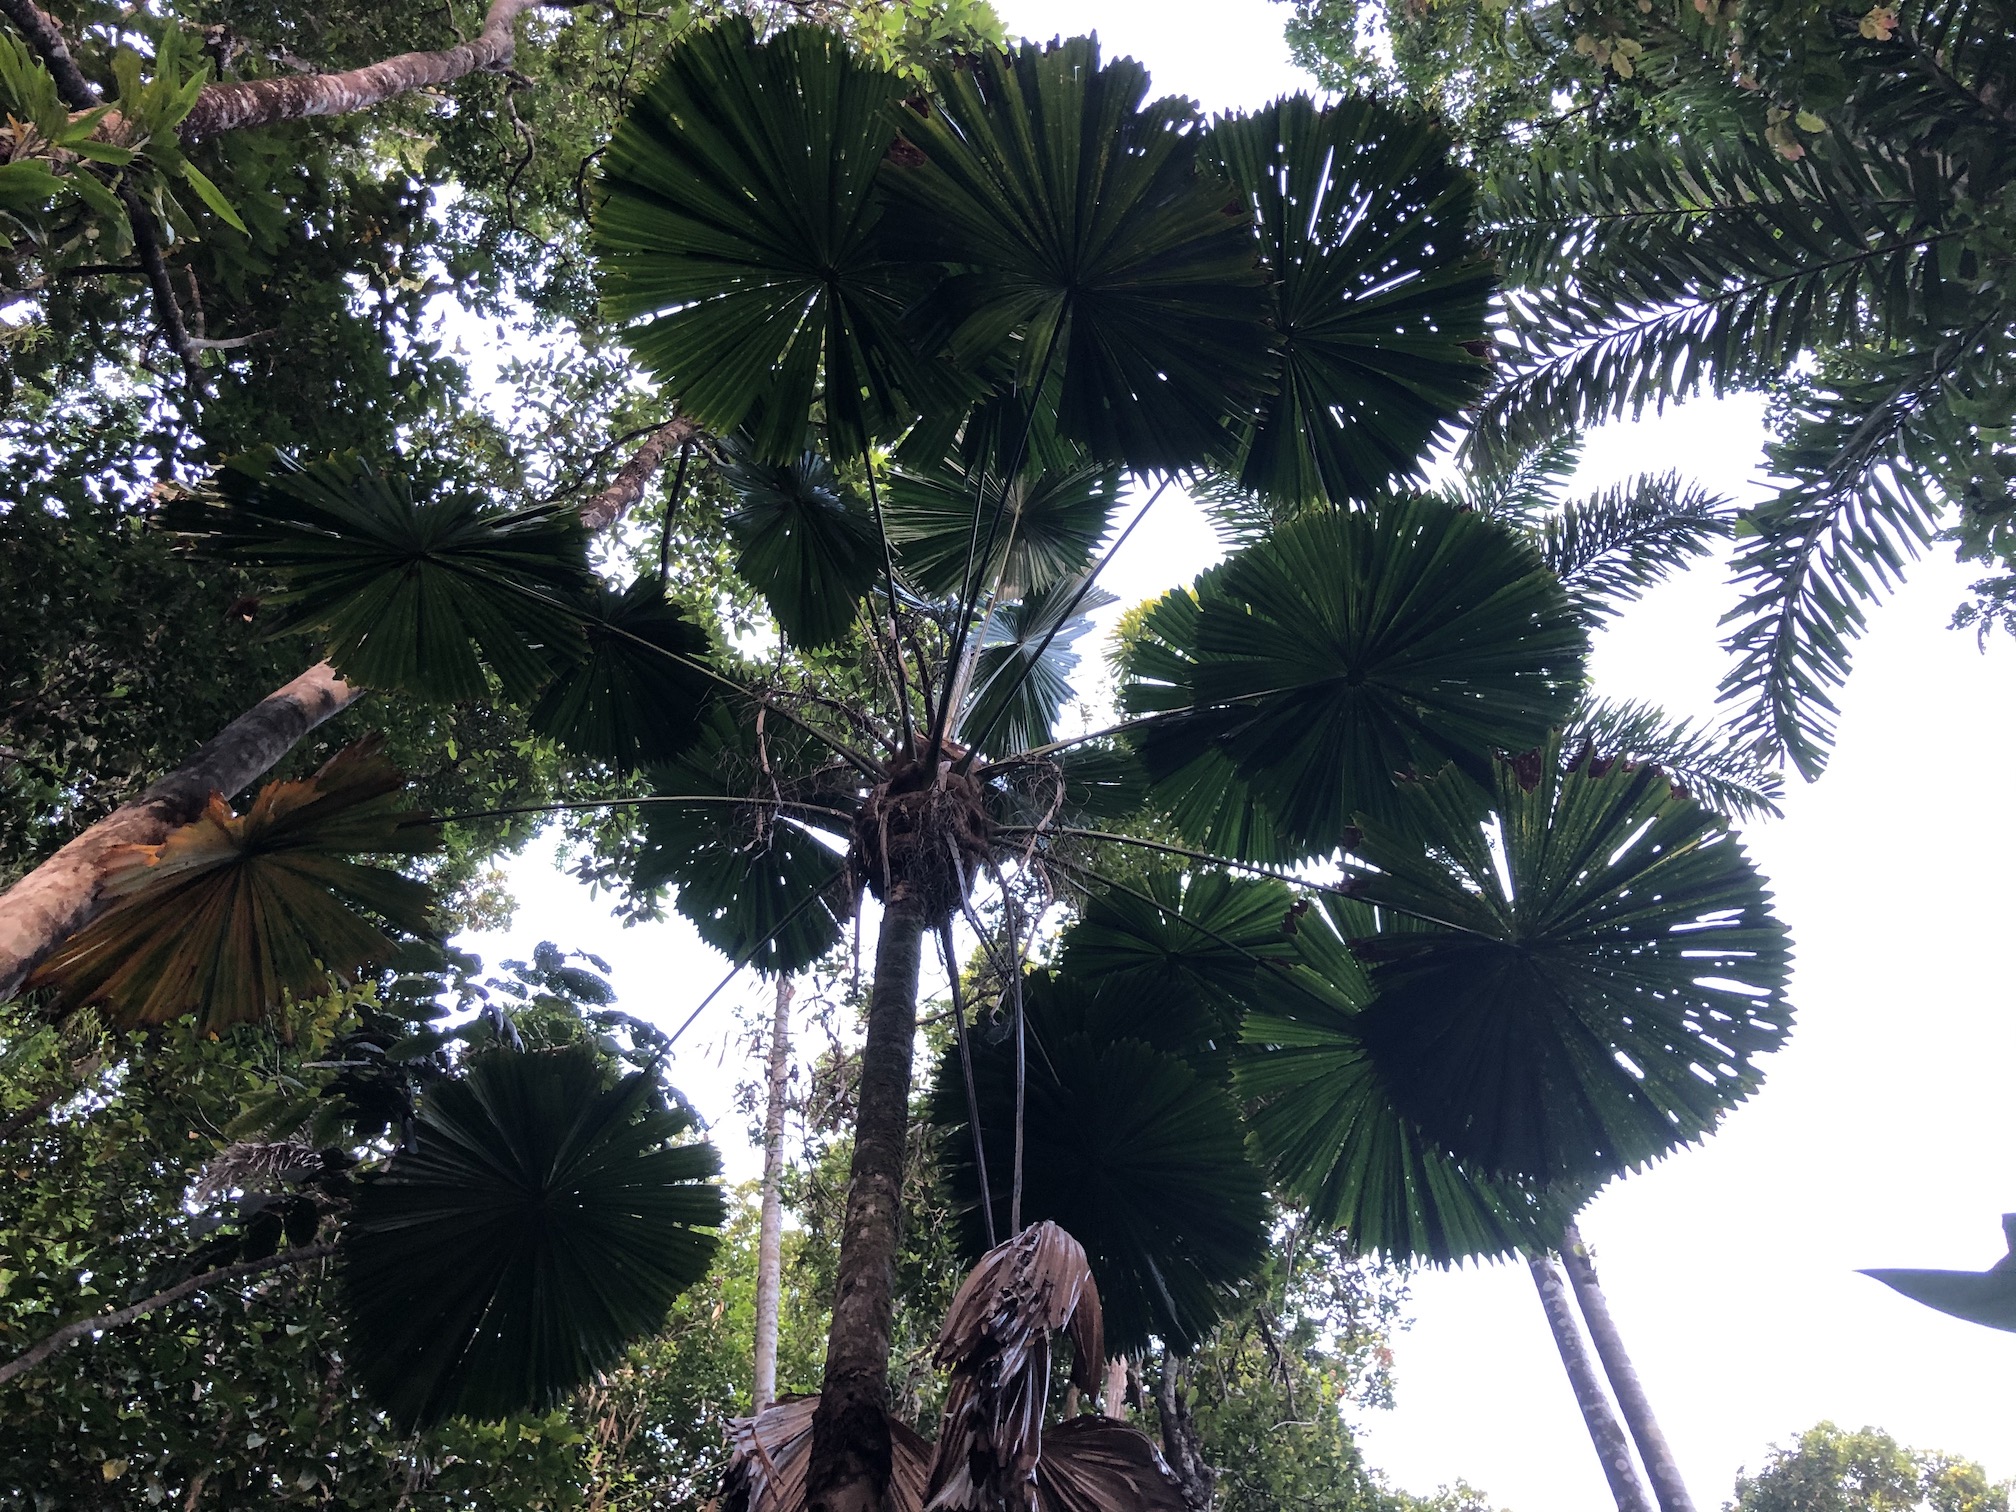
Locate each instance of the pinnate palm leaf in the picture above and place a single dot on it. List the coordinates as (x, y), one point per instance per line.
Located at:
(542, 1224)
(738, 211)
(1087, 240)
(1599, 974)
(413, 594)
(233, 912)
(637, 695)
(1343, 650)
(1380, 292)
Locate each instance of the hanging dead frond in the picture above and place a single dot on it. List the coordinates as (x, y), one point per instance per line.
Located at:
(996, 1343)
(253, 1166)
(771, 1451)
(1098, 1464)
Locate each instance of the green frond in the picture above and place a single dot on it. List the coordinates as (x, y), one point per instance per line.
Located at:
(1718, 770)
(1021, 683)
(1610, 547)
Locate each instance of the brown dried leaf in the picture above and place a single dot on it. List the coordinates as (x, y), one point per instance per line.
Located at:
(771, 1452)
(1095, 1464)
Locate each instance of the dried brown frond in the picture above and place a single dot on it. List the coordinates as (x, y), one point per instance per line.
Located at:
(771, 1452)
(996, 1343)
(251, 1166)
(1096, 1464)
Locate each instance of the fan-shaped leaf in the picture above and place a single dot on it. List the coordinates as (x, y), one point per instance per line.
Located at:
(755, 870)
(806, 544)
(411, 594)
(231, 913)
(1087, 240)
(1052, 524)
(1602, 972)
(636, 697)
(1380, 292)
(1022, 681)
(1343, 650)
(542, 1223)
(1129, 1150)
(739, 212)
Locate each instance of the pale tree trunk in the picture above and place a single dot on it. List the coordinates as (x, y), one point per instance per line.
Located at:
(1660, 1467)
(29, 1358)
(61, 895)
(849, 1468)
(1113, 1389)
(1612, 1448)
(770, 1234)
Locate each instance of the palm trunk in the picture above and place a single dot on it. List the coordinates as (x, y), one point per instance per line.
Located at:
(1604, 1430)
(60, 896)
(849, 1469)
(770, 1235)
(1660, 1467)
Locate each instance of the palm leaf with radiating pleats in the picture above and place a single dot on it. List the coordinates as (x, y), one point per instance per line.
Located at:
(1053, 524)
(1142, 1160)
(1023, 677)
(1085, 237)
(636, 697)
(738, 210)
(751, 871)
(804, 541)
(542, 1223)
(233, 912)
(417, 594)
(1590, 980)
(1340, 651)
(1380, 292)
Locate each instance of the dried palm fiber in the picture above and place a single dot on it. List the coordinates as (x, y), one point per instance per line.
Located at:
(996, 1343)
(1098, 1464)
(253, 1166)
(769, 1454)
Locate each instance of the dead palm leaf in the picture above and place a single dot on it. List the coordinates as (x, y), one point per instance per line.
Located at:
(1097, 1464)
(770, 1453)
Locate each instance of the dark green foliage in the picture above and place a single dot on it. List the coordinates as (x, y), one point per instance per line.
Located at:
(1347, 649)
(541, 1224)
(1833, 1470)
(806, 542)
(1578, 986)
(1610, 547)
(1088, 244)
(1714, 768)
(1051, 525)
(417, 594)
(231, 913)
(1379, 292)
(637, 696)
(1137, 1157)
(738, 211)
(1022, 678)
(745, 856)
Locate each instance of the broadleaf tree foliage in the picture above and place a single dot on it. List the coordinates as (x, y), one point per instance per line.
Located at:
(926, 319)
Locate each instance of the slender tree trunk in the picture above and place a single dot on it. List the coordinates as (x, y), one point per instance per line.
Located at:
(1660, 1467)
(849, 1469)
(29, 1358)
(60, 896)
(627, 487)
(770, 1236)
(1604, 1430)
(1182, 1446)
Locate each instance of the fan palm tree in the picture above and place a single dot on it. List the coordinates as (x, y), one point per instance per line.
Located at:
(928, 338)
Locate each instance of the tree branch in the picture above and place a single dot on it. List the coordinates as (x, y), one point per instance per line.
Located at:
(99, 1322)
(612, 503)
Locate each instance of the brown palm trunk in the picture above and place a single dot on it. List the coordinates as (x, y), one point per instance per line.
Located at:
(1612, 1448)
(849, 1469)
(770, 1233)
(60, 896)
(1660, 1467)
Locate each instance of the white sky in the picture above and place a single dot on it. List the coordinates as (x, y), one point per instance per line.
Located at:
(1882, 1135)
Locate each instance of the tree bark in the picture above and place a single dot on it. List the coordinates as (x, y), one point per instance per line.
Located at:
(1612, 1448)
(29, 1358)
(627, 487)
(849, 1469)
(1182, 1446)
(770, 1234)
(1660, 1466)
(61, 895)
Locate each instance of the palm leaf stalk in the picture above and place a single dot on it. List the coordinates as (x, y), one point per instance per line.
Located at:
(934, 340)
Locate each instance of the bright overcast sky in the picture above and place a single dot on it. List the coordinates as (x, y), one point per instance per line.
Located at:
(1882, 1135)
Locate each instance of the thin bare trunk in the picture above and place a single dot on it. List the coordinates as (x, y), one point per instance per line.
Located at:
(770, 1235)
(1660, 1466)
(61, 895)
(1182, 1445)
(851, 1454)
(29, 1358)
(627, 487)
(1612, 1448)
